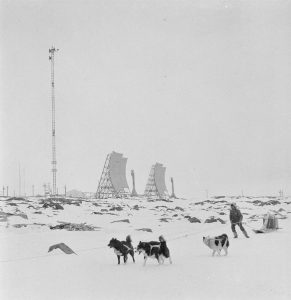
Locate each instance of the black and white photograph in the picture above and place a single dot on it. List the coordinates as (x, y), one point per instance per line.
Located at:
(145, 149)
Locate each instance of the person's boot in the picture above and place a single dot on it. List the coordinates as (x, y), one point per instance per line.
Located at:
(235, 235)
(246, 234)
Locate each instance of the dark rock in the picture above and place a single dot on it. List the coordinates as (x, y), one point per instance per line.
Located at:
(165, 220)
(221, 221)
(179, 208)
(124, 220)
(117, 208)
(75, 227)
(53, 205)
(24, 216)
(263, 203)
(213, 219)
(166, 200)
(210, 220)
(145, 229)
(193, 220)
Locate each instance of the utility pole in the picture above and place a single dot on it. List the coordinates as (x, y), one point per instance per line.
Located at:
(281, 194)
(173, 189)
(24, 193)
(52, 51)
(7, 191)
(44, 189)
(133, 193)
(19, 181)
(32, 190)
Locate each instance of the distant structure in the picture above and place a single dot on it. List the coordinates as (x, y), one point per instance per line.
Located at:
(75, 194)
(113, 182)
(281, 195)
(47, 189)
(52, 51)
(173, 190)
(133, 193)
(156, 187)
(19, 181)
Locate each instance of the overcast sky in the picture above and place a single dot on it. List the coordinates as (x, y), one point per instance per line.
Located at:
(203, 87)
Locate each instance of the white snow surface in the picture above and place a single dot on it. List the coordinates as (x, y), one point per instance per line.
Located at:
(256, 268)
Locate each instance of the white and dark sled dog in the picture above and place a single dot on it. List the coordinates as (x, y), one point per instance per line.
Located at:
(217, 243)
(122, 248)
(156, 250)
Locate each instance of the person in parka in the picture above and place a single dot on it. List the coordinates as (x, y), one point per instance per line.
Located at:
(236, 218)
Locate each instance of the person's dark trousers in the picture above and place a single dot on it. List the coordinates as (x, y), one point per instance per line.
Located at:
(241, 228)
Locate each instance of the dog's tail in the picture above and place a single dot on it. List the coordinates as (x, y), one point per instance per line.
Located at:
(161, 238)
(227, 241)
(128, 239)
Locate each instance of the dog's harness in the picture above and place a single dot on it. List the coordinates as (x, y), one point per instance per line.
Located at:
(127, 246)
(117, 252)
(153, 246)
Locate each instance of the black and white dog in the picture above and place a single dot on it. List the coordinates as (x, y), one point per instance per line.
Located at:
(217, 243)
(155, 250)
(122, 248)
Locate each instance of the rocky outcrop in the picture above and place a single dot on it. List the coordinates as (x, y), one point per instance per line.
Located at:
(213, 219)
(75, 227)
(192, 219)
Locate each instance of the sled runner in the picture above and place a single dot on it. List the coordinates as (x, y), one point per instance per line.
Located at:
(263, 230)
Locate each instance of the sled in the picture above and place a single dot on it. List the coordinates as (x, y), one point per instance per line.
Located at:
(270, 224)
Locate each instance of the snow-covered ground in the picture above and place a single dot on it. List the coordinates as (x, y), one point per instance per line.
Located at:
(256, 268)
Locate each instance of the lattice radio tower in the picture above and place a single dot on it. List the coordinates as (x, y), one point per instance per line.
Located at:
(52, 51)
